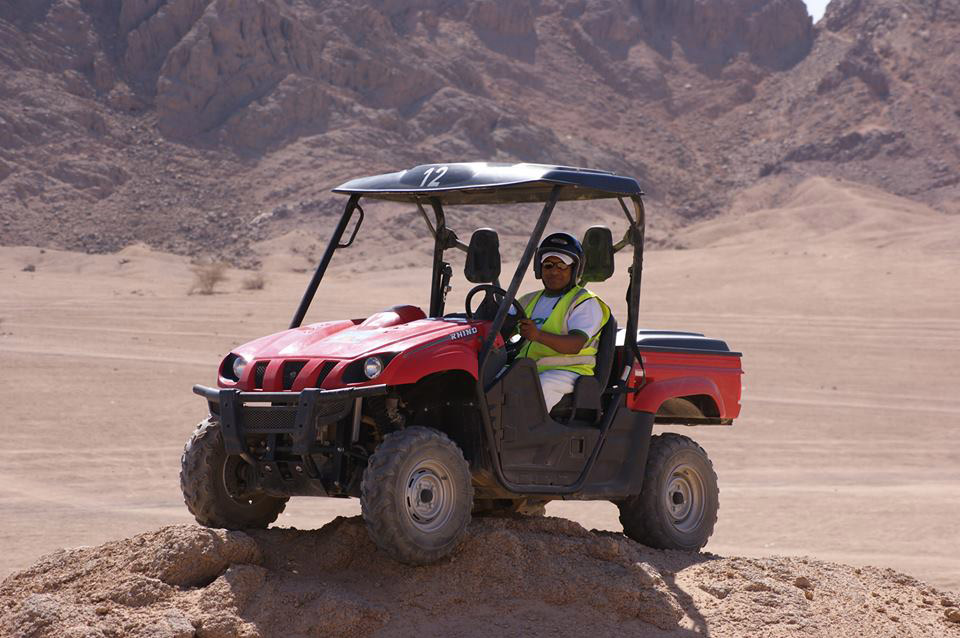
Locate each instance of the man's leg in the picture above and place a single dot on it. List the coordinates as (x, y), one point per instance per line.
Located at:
(555, 384)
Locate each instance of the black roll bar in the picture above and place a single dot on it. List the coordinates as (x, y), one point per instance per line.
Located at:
(637, 232)
(437, 294)
(311, 290)
(507, 301)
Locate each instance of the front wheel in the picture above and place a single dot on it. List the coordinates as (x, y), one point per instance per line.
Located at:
(215, 485)
(416, 495)
(677, 506)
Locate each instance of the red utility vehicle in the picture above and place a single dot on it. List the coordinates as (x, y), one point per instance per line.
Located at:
(429, 417)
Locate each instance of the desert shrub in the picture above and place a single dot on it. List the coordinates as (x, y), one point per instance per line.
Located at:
(255, 281)
(206, 277)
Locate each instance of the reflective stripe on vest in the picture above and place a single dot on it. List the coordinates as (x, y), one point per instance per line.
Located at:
(547, 358)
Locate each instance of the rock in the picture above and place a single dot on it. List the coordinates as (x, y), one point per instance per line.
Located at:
(159, 27)
(235, 587)
(133, 12)
(296, 105)
(775, 34)
(138, 590)
(189, 556)
(715, 591)
(846, 148)
(104, 73)
(504, 17)
(840, 13)
(953, 615)
(99, 178)
(862, 62)
(779, 33)
(123, 99)
(171, 624)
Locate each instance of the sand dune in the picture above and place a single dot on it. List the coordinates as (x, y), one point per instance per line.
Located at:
(823, 210)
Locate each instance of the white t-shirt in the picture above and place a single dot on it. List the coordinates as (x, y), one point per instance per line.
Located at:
(586, 318)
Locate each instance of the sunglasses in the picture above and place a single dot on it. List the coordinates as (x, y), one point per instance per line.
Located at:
(550, 265)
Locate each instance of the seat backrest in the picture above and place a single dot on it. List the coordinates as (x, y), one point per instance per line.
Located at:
(482, 265)
(606, 349)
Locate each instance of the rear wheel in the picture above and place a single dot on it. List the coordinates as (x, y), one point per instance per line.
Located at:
(416, 495)
(214, 484)
(677, 506)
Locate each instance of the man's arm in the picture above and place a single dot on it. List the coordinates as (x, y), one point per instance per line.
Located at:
(564, 344)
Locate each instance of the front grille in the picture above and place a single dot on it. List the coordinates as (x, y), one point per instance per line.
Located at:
(258, 373)
(268, 419)
(290, 371)
(324, 371)
(327, 411)
(277, 419)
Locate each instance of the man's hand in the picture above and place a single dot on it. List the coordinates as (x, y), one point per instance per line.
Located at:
(564, 344)
(529, 330)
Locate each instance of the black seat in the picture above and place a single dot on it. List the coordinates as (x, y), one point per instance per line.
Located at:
(584, 404)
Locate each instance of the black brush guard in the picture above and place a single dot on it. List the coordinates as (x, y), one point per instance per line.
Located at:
(299, 415)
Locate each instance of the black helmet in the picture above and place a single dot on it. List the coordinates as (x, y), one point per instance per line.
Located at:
(563, 243)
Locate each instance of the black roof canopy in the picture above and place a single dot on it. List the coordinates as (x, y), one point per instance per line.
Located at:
(491, 183)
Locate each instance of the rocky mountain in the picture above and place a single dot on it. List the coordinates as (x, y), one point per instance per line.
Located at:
(201, 125)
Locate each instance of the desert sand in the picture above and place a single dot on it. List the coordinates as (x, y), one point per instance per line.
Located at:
(843, 300)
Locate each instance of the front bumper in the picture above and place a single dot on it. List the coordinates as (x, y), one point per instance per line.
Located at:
(298, 414)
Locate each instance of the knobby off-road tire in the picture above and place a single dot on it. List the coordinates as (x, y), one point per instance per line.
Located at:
(677, 506)
(209, 478)
(416, 495)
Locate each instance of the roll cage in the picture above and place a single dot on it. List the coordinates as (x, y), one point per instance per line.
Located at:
(488, 183)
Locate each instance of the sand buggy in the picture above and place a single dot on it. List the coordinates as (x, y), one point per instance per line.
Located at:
(431, 417)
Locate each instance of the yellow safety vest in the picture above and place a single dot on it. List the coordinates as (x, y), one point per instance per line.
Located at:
(546, 357)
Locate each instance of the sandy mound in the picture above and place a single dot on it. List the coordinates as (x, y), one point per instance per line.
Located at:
(511, 577)
(820, 210)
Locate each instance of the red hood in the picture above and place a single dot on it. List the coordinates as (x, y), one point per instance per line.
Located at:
(347, 340)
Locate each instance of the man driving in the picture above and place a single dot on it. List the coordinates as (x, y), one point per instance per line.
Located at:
(564, 319)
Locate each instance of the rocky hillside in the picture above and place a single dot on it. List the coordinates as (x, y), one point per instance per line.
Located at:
(511, 577)
(200, 125)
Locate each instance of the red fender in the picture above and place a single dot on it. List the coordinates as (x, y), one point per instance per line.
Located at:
(650, 397)
(410, 367)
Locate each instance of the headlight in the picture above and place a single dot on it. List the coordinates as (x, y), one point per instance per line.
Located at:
(239, 363)
(372, 367)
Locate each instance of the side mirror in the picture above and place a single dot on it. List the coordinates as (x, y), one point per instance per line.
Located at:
(597, 254)
(483, 257)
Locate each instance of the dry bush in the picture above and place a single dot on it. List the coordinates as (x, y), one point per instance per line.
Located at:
(206, 277)
(255, 281)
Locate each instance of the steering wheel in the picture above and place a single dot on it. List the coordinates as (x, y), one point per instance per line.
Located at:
(500, 293)
(497, 292)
